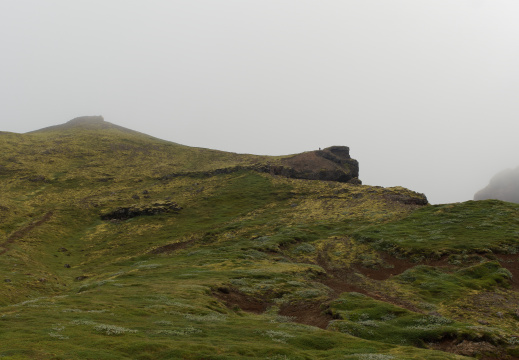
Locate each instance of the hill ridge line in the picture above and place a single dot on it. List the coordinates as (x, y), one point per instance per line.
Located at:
(276, 170)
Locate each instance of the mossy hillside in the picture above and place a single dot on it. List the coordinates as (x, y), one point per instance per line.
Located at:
(160, 306)
(470, 227)
(365, 317)
(79, 154)
(435, 285)
(114, 258)
(142, 288)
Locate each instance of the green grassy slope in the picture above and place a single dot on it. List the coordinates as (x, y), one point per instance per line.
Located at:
(251, 266)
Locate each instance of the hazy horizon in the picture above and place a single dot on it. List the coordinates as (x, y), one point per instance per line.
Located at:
(423, 92)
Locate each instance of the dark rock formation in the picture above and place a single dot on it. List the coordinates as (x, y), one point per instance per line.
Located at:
(414, 199)
(124, 213)
(331, 164)
(503, 186)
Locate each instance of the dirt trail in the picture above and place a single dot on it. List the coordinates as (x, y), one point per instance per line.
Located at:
(19, 234)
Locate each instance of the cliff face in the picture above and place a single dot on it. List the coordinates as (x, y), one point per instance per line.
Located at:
(331, 164)
(503, 186)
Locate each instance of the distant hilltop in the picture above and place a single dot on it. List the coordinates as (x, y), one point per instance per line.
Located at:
(330, 164)
(98, 119)
(96, 122)
(503, 186)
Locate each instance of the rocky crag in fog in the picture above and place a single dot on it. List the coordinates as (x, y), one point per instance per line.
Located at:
(503, 186)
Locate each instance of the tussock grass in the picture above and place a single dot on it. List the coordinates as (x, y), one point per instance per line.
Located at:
(142, 288)
(472, 227)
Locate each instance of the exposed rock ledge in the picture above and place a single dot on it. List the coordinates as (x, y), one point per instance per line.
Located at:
(124, 213)
(331, 164)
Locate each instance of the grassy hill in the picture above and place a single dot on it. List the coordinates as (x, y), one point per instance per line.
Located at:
(118, 245)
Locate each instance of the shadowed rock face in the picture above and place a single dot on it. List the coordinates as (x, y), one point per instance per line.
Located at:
(503, 186)
(332, 164)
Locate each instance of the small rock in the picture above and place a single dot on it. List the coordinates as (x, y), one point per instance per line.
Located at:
(67, 266)
(7, 280)
(483, 322)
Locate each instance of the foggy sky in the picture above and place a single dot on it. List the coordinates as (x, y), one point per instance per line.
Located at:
(424, 92)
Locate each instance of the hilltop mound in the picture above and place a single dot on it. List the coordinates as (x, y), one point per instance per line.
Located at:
(85, 123)
(503, 186)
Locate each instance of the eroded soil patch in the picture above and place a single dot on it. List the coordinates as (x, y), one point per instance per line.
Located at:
(308, 313)
(395, 266)
(479, 349)
(233, 298)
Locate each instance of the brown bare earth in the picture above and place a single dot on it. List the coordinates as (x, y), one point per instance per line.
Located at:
(395, 266)
(479, 349)
(350, 280)
(233, 298)
(307, 313)
(339, 281)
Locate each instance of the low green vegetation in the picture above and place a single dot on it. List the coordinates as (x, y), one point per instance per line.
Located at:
(436, 285)
(365, 317)
(234, 265)
(471, 227)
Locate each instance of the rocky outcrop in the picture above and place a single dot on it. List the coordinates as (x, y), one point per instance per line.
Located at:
(124, 213)
(503, 186)
(331, 164)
